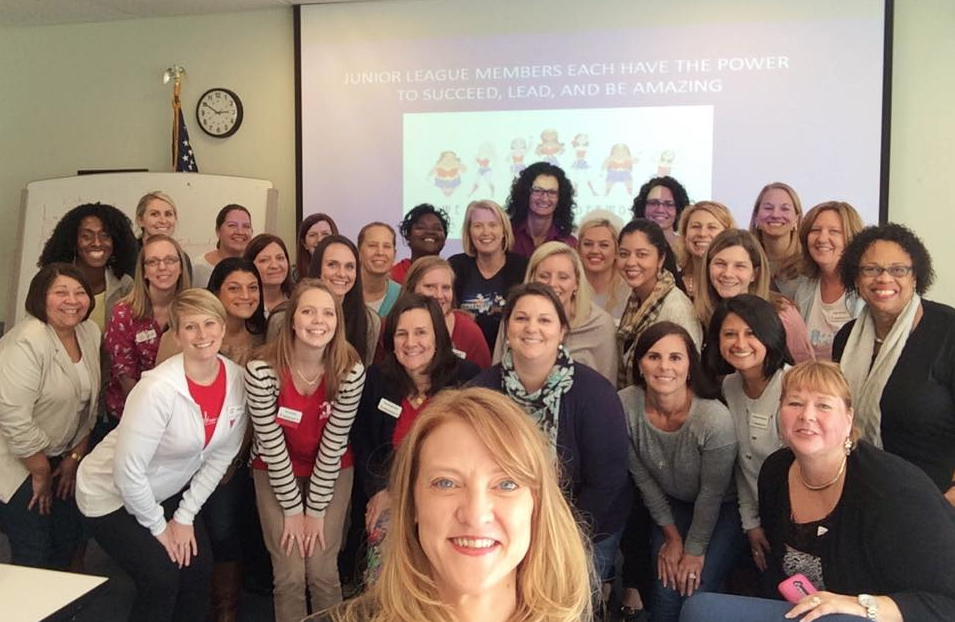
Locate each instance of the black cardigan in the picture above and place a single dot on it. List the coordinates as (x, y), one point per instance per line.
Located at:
(918, 401)
(893, 533)
(373, 430)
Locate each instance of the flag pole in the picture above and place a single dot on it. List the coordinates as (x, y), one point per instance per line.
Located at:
(175, 73)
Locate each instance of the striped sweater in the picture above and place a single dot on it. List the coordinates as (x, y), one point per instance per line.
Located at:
(262, 391)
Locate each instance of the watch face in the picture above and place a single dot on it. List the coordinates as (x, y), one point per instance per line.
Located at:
(219, 112)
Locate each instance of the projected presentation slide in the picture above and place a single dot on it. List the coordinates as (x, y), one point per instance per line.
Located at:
(452, 158)
(444, 102)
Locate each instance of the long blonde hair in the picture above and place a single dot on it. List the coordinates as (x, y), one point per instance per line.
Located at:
(584, 295)
(138, 299)
(555, 580)
(340, 356)
(594, 221)
(788, 267)
(687, 261)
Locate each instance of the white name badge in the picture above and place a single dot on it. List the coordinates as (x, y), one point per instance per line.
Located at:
(146, 335)
(233, 413)
(289, 416)
(459, 353)
(389, 408)
(758, 421)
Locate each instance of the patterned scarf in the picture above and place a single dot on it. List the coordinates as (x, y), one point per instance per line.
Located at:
(637, 317)
(544, 404)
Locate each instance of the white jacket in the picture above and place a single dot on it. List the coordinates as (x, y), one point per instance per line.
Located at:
(157, 449)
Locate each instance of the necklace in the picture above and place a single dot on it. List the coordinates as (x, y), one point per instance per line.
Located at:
(306, 380)
(842, 469)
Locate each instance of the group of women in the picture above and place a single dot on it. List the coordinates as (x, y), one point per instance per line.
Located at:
(659, 389)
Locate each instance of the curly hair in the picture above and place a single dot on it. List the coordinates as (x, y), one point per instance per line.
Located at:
(889, 232)
(518, 200)
(61, 245)
(676, 188)
(416, 212)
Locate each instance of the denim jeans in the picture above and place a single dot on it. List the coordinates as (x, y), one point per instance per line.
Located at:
(605, 554)
(726, 608)
(721, 554)
(47, 541)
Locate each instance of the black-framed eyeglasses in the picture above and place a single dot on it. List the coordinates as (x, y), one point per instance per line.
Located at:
(658, 203)
(166, 261)
(545, 191)
(895, 270)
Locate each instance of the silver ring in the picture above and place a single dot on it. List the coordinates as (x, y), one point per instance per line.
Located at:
(816, 601)
(692, 575)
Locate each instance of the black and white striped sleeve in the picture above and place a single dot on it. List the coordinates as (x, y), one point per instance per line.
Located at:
(262, 393)
(334, 441)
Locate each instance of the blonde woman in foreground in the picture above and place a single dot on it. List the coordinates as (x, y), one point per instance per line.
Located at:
(480, 528)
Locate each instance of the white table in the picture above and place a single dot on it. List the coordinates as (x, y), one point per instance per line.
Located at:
(32, 594)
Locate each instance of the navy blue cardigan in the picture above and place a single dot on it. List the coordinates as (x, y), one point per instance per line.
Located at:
(592, 445)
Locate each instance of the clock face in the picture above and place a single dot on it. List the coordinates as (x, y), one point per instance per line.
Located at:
(219, 112)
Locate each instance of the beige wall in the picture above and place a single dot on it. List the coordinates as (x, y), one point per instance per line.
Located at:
(91, 96)
(923, 131)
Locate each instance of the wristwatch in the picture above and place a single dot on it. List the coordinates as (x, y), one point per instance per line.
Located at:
(871, 606)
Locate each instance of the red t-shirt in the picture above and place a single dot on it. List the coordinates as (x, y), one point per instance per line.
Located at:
(209, 399)
(400, 270)
(303, 440)
(405, 420)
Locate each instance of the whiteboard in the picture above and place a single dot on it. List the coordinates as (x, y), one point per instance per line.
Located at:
(198, 199)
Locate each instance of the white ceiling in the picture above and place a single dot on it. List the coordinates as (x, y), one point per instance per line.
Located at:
(46, 12)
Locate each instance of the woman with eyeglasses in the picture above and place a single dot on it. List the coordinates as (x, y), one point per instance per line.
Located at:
(541, 206)
(662, 200)
(156, 213)
(899, 355)
(138, 321)
(233, 230)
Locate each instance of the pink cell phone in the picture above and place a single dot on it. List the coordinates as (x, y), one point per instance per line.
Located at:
(796, 587)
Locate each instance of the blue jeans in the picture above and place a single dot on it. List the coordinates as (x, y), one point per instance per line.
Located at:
(605, 554)
(48, 541)
(721, 554)
(726, 608)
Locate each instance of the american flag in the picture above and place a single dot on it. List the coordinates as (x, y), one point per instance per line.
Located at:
(184, 159)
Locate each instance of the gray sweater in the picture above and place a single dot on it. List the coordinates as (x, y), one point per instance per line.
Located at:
(693, 464)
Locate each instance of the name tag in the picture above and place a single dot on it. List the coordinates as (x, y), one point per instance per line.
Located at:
(459, 353)
(288, 417)
(146, 335)
(233, 413)
(389, 408)
(758, 421)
